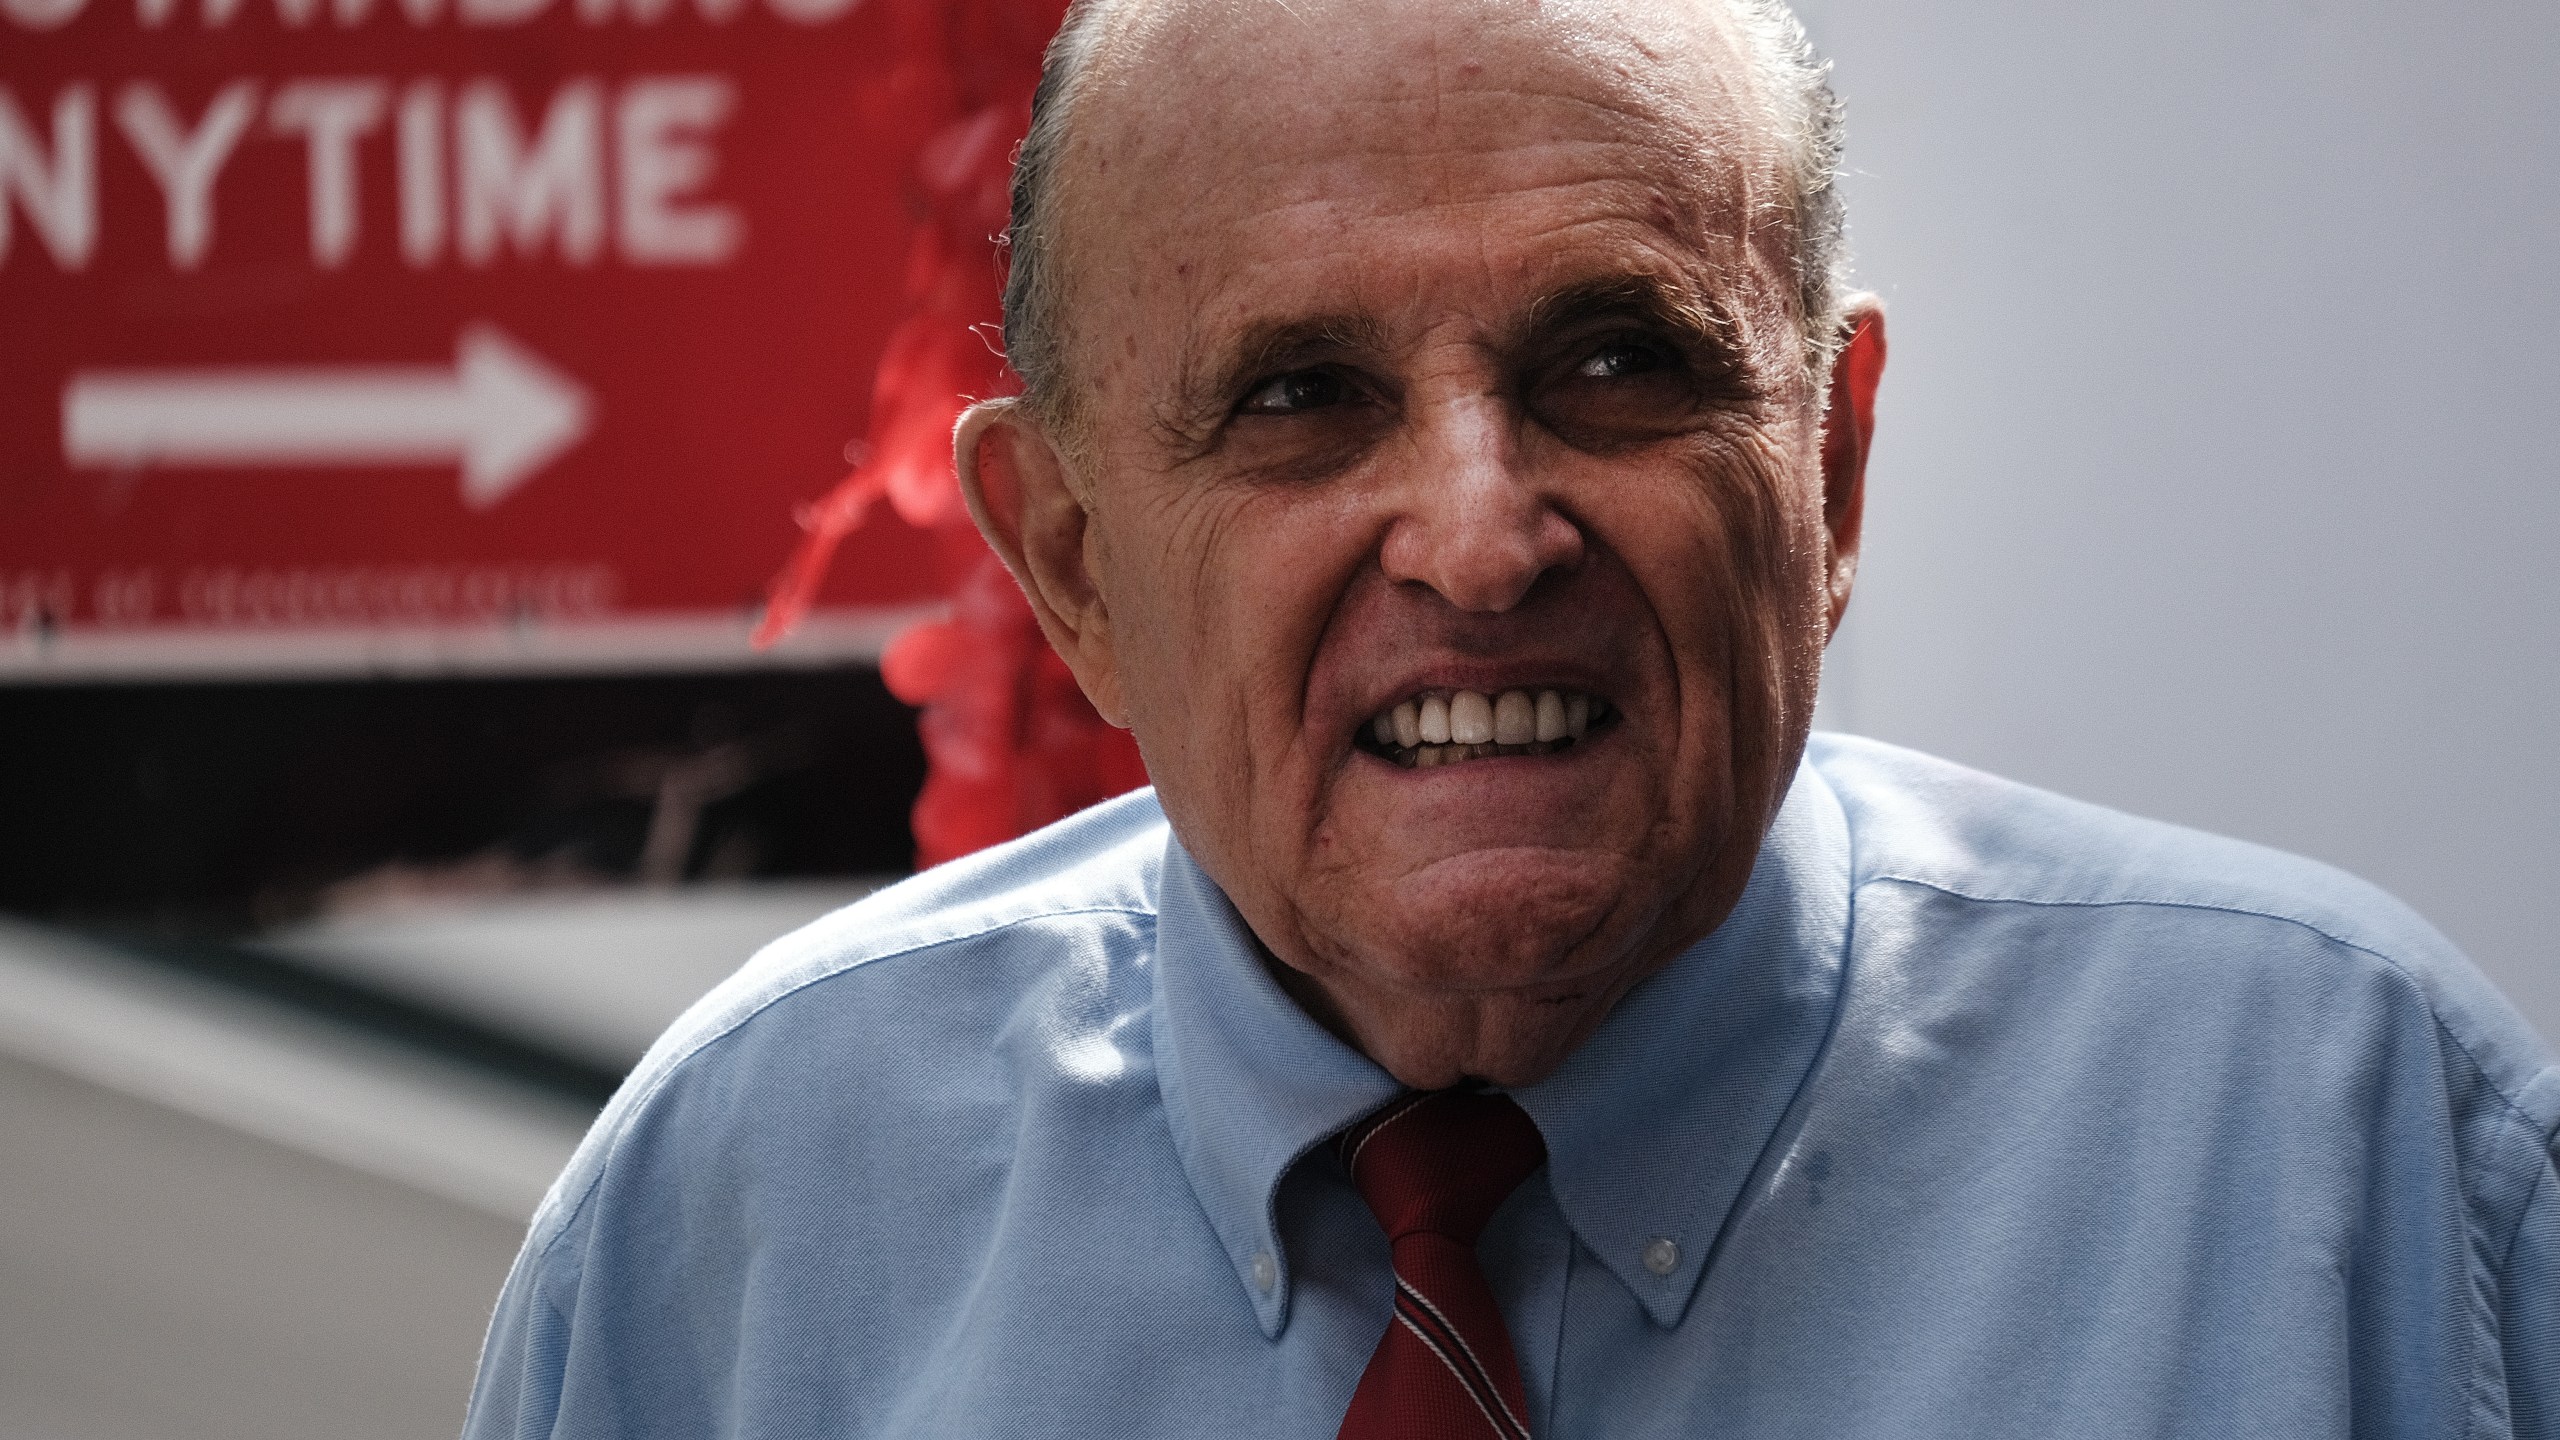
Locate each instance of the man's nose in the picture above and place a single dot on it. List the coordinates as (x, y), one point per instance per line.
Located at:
(1471, 522)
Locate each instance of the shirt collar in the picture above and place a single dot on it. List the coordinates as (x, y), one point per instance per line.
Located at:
(1250, 1081)
(1652, 1126)
(1655, 1123)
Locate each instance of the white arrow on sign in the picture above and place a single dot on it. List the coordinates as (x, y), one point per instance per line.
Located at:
(500, 411)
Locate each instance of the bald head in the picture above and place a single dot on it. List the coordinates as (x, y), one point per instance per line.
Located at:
(1105, 98)
(1109, 60)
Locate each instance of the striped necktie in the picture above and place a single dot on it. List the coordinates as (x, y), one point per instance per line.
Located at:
(1434, 1166)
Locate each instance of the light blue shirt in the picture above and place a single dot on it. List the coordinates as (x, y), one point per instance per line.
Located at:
(1986, 1114)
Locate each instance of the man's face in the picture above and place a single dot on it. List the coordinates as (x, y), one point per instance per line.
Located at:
(1428, 352)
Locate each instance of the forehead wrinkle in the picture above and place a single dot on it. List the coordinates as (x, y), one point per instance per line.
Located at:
(1634, 120)
(1669, 183)
(1627, 262)
(1626, 216)
(1638, 135)
(1581, 57)
(1290, 192)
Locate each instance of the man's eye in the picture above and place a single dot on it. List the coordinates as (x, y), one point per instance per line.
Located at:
(1297, 391)
(1621, 358)
(1627, 390)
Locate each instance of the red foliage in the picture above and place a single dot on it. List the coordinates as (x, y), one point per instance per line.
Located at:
(1010, 742)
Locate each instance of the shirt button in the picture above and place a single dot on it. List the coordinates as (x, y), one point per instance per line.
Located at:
(1662, 1256)
(1266, 1271)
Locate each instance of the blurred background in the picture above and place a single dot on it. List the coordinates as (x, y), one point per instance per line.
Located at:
(2213, 474)
(409, 412)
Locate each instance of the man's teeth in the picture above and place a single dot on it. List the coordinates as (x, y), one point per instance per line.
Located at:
(1434, 721)
(1444, 729)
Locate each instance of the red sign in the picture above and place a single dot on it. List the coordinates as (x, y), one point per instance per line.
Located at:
(353, 335)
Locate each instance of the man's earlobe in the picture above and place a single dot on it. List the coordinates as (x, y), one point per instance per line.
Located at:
(1848, 428)
(1019, 492)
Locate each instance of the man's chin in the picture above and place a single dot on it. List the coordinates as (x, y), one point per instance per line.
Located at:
(1490, 965)
(1515, 918)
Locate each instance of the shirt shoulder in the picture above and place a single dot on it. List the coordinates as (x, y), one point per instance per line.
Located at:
(869, 1003)
(1919, 820)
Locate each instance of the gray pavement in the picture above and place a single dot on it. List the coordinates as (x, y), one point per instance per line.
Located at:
(221, 1217)
(163, 1276)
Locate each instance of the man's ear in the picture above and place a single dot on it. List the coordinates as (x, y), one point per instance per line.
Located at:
(1848, 425)
(1018, 490)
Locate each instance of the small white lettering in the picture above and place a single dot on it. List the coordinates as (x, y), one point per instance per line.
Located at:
(32, 599)
(365, 595)
(124, 597)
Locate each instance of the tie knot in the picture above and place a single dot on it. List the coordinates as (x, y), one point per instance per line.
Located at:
(1441, 1160)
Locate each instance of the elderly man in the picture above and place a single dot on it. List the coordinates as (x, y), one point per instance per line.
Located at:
(1442, 445)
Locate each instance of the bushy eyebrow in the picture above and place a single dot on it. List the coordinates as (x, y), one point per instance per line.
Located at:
(1647, 300)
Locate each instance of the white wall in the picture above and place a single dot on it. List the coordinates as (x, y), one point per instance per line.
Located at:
(2212, 478)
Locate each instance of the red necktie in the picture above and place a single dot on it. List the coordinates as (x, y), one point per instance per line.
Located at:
(1434, 1167)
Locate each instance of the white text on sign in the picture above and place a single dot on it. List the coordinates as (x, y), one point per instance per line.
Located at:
(596, 170)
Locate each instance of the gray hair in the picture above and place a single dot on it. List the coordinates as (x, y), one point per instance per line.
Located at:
(1797, 81)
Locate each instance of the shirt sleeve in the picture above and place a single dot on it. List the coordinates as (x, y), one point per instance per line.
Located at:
(2531, 1322)
(517, 1394)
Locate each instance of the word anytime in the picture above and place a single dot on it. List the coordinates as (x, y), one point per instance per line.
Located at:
(624, 166)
